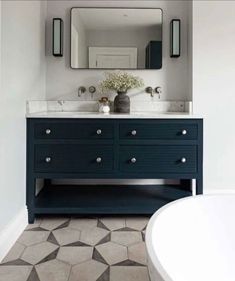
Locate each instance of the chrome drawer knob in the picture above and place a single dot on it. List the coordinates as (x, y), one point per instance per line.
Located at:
(48, 159)
(48, 131)
(99, 132)
(183, 160)
(98, 160)
(133, 160)
(184, 132)
(133, 132)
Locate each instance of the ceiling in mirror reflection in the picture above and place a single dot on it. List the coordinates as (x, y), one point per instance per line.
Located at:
(110, 38)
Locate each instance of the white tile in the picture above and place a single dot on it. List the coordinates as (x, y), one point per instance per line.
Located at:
(113, 223)
(66, 235)
(29, 238)
(93, 237)
(14, 253)
(82, 224)
(14, 273)
(137, 253)
(52, 223)
(137, 223)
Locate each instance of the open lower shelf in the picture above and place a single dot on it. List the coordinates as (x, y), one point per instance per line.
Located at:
(105, 199)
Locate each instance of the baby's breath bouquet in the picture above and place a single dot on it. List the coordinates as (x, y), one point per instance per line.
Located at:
(120, 81)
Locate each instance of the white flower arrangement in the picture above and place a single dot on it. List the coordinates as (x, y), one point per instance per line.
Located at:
(120, 81)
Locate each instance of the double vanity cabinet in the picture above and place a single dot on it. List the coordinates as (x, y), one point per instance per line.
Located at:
(111, 148)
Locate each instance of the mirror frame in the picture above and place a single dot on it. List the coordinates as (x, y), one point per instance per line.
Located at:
(112, 69)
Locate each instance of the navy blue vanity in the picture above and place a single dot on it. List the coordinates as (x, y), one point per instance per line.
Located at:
(84, 148)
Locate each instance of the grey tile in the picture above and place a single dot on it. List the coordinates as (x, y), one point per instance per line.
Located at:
(137, 223)
(113, 223)
(35, 224)
(75, 255)
(105, 275)
(52, 223)
(137, 253)
(87, 271)
(97, 257)
(83, 223)
(14, 253)
(14, 273)
(101, 225)
(66, 235)
(33, 276)
(128, 263)
(78, 243)
(29, 238)
(35, 253)
(53, 270)
(50, 257)
(126, 238)
(51, 239)
(129, 273)
(112, 253)
(15, 262)
(93, 237)
(106, 239)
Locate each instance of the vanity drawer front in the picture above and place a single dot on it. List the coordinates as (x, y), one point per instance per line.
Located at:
(73, 158)
(73, 130)
(167, 131)
(158, 159)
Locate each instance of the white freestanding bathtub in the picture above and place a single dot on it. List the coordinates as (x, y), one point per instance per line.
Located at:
(193, 239)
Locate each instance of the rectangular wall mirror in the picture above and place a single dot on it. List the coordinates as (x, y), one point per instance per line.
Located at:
(116, 38)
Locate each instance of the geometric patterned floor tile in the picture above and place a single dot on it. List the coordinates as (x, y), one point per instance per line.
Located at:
(14, 273)
(53, 270)
(75, 255)
(137, 253)
(137, 223)
(14, 253)
(129, 273)
(93, 237)
(35, 253)
(66, 235)
(87, 271)
(113, 223)
(52, 223)
(112, 252)
(29, 238)
(126, 238)
(79, 249)
(82, 223)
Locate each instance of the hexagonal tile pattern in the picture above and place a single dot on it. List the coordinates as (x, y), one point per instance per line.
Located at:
(112, 253)
(52, 223)
(66, 235)
(137, 223)
(87, 271)
(75, 255)
(82, 223)
(53, 270)
(79, 249)
(126, 238)
(14, 253)
(93, 237)
(35, 253)
(29, 238)
(14, 273)
(113, 223)
(137, 253)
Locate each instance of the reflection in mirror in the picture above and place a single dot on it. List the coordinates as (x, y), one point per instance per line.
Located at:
(116, 38)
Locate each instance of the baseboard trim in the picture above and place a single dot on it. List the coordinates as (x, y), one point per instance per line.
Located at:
(220, 191)
(12, 231)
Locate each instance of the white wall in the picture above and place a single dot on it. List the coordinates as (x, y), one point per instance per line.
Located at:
(214, 88)
(63, 82)
(23, 78)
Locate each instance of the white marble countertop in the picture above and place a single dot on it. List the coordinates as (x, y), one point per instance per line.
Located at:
(97, 115)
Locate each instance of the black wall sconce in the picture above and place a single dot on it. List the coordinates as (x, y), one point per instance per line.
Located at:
(57, 44)
(175, 38)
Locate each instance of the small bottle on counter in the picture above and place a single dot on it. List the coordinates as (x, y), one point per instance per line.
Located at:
(104, 105)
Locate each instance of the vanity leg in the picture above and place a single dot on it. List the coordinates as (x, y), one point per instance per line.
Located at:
(31, 216)
(199, 186)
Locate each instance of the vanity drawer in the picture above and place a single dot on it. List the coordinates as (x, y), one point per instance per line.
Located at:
(158, 159)
(167, 131)
(73, 130)
(73, 158)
